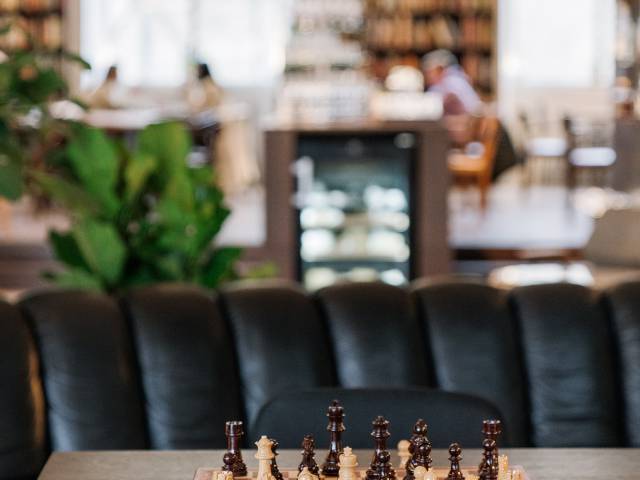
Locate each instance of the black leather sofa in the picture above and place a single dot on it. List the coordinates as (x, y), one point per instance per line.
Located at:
(164, 367)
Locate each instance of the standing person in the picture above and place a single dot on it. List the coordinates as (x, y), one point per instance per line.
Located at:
(444, 75)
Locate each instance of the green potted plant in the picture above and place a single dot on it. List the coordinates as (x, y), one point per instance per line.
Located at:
(138, 215)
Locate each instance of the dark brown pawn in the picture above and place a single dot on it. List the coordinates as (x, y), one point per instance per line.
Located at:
(380, 468)
(454, 457)
(491, 429)
(275, 471)
(335, 427)
(233, 458)
(490, 469)
(308, 452)
(420, 449)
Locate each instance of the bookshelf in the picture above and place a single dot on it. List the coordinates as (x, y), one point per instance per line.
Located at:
(35, 24)
(400, 32)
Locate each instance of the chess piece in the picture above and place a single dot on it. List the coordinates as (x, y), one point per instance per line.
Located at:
(347, 465)
(490, 467)
(454, 457)
(264, 455)
(403, 453)
(308, 452)
(380, 468)
(503, 467)
(233, 458)
(275, 471)
(305, 474)
(421, 473)
(420, 449)
(335, 427)
(491, 429)
(224, 475)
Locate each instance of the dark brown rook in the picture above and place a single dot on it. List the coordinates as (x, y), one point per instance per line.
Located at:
(420, 449)
(490, 468)
(454, 457)
(233, 458)
(335, 413)
(275, 471)
(380, 468)
(308, 452)
(491, 429)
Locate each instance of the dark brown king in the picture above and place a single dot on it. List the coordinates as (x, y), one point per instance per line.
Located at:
(233, 458)
(380, 468)
(335, 413)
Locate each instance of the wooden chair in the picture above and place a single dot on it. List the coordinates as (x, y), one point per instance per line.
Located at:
(477, 169)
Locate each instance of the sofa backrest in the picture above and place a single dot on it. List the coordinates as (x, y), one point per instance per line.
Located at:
(164, 366)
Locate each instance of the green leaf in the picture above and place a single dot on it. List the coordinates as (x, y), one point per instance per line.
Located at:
(75, 199)
(136, 173)
(102, 249)
(11, 172)
(94, 160)
(75, 58)
(219, 267)
(66, 250)
(179, 190)
(169, 143)
(74, 278)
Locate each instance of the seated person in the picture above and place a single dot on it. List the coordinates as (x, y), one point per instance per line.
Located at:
(461, 103)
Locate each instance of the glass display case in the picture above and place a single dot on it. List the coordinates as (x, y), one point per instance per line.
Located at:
(354, 204)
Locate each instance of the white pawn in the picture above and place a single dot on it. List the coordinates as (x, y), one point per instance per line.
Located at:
(421, 473)
(403, 453)
(305, 474)
(264, 455)
(348, 463)
(224, 476)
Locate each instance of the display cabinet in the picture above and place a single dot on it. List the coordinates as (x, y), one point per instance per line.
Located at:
(357, 201)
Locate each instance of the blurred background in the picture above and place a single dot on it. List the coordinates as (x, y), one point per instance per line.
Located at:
(368, 139)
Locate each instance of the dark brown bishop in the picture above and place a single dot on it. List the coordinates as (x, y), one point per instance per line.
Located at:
(335, 413)
(491, 429)
(380, 468)
(233, 457)
(419, 448)
(455, 455)
(308, 454)
(275, 471)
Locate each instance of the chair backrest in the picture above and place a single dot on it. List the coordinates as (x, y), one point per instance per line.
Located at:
(489, 136)
(451, 417)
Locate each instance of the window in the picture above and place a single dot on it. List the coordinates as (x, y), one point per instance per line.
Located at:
(557, 43)
(153, 42)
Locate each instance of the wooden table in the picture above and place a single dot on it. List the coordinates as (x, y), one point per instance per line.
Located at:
(540, 464)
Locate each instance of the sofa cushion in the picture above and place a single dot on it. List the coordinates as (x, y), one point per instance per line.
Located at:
(624, 305)
(451, 417)
(90, 383)
(280, 340)
(568, 351)
(475, 347)
(187, 366)
(377, 342)
(22, 425)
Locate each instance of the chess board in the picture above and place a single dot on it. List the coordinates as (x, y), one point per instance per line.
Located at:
(516, 472)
